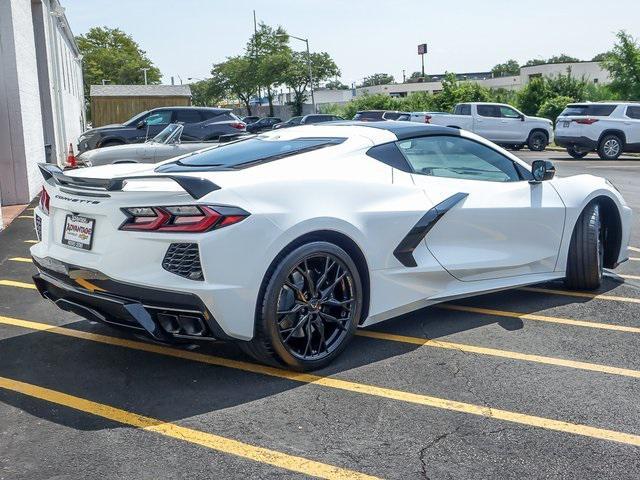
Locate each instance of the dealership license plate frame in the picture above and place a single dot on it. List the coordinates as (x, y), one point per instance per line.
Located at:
(566, 124)
(75, 243)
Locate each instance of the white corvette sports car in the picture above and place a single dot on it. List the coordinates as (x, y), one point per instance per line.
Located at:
(290, 240)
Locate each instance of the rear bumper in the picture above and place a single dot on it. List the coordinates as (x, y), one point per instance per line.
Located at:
(583, 143)
(164, 315)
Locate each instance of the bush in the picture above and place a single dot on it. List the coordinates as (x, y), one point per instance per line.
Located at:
(532, 96)
(552, 107)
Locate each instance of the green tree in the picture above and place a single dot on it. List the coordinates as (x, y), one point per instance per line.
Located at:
(454, 92)
(269, 53)
(623, 64)
(207, 93)
(567, 86)
(237, 76)
(553, 106)
(535, 61)
(563, 58)
(112, 55)
(296, 76)
(336, 85)
(601, 57)
(510, 67)
(377, 79)
(533, 95)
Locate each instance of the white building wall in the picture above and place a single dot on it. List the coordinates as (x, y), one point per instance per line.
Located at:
(591, 71)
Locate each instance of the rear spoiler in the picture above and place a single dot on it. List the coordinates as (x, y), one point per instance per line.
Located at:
(194, 186)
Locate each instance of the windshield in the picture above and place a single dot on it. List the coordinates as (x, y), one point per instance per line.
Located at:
(170, 134)
(254, 150)
(136, 118)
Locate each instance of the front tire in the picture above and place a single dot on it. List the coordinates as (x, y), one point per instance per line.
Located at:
(577, 154)
(537, 141)
(309, 310)
(610, 147)
(586, 251)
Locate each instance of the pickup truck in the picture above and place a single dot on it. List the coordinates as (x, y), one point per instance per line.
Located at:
(498, 122)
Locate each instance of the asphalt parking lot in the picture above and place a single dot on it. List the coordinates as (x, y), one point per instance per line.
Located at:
(531, 383)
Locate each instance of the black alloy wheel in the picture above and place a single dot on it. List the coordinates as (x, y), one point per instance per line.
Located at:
(310, 308)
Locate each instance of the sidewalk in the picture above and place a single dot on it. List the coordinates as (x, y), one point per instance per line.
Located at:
(10, 213)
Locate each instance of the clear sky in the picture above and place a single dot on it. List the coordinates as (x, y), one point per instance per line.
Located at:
(185, 37)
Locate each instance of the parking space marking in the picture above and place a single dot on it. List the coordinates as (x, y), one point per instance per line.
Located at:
(493, 352)
(30, 217)
(31, 241)
(628, 277)
(208, 440)
(343, 385)
(542, 318)
(634, 249)
(634, 259)
(571, 293)
(13, 283)
(21, 259)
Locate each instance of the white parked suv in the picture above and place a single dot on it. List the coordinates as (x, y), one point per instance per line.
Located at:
(498, 122)
(609, 128)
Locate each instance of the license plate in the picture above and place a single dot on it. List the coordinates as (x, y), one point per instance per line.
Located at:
(78, 231)
(566, 124)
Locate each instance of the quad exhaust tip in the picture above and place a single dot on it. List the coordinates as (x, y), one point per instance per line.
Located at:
(180, 324)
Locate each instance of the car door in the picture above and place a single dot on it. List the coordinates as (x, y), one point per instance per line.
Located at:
(496, 224)
(511, 125)
(632, 126)
(487, 122)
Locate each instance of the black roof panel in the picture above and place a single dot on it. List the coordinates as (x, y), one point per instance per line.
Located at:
(402, 129)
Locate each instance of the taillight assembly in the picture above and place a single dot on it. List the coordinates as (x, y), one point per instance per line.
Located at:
(586, 121)
(181, 218)
(238, 125)
(44, 201)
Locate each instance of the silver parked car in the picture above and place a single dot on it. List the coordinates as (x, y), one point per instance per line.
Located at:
(167, 144)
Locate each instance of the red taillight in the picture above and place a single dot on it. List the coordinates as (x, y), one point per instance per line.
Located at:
(44, 201)
(427, 119)
(181, 218)
(586, 121)
(238, 125)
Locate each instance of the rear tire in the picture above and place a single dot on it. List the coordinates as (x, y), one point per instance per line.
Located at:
(577, 154)
(586, 251)
(319, 287)
(537, 141)
(610, 147)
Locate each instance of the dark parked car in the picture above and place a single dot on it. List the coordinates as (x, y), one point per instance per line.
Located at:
(379, 115)
(200, 123)
(250, 119)
(263, 124)
(308, 120)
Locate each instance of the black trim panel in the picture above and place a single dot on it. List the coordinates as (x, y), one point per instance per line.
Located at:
(404, 251)
(194, 186)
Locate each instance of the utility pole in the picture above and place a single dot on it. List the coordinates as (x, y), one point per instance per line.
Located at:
(255, 51)
(313, 98)
(145, 70)
(404, 76)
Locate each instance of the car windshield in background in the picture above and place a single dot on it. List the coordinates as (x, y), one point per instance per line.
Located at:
(597, 110)
(134, 120)
(255, 150)
(168, 133)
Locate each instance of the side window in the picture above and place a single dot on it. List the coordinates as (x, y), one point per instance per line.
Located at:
(508, 112)
(463, 109)
(488, 111)
(633, 112)
(457, 157)
(161, 117)
(188, 116)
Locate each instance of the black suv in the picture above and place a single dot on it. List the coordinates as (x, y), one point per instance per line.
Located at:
(263, 124)
(200, 123)
(308, 120)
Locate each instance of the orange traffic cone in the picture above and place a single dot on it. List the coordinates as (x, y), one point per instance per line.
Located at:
(71, 158)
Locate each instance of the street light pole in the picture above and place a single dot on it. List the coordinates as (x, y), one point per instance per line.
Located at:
(145, 74)
(306, 41)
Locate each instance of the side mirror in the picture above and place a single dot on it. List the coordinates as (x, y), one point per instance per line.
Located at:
(521, 118)
(542, 170)
(141, 124)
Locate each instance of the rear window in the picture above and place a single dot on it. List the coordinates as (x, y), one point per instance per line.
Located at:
(633, 112)
(594, 110)
(462, 109)
(391, 115)
(219, 116)
(252, 151)
(368, 116)
(489, 111)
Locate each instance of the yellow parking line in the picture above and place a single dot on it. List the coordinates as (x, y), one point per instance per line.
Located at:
(571, 293)
(628, 277)
(25, 216)
(559, 362)
(13, 283)
(21, 259)
(208, 440)
(635, 249)
(542, 318)
(31, 241)
(634, 259)
(344, 385)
